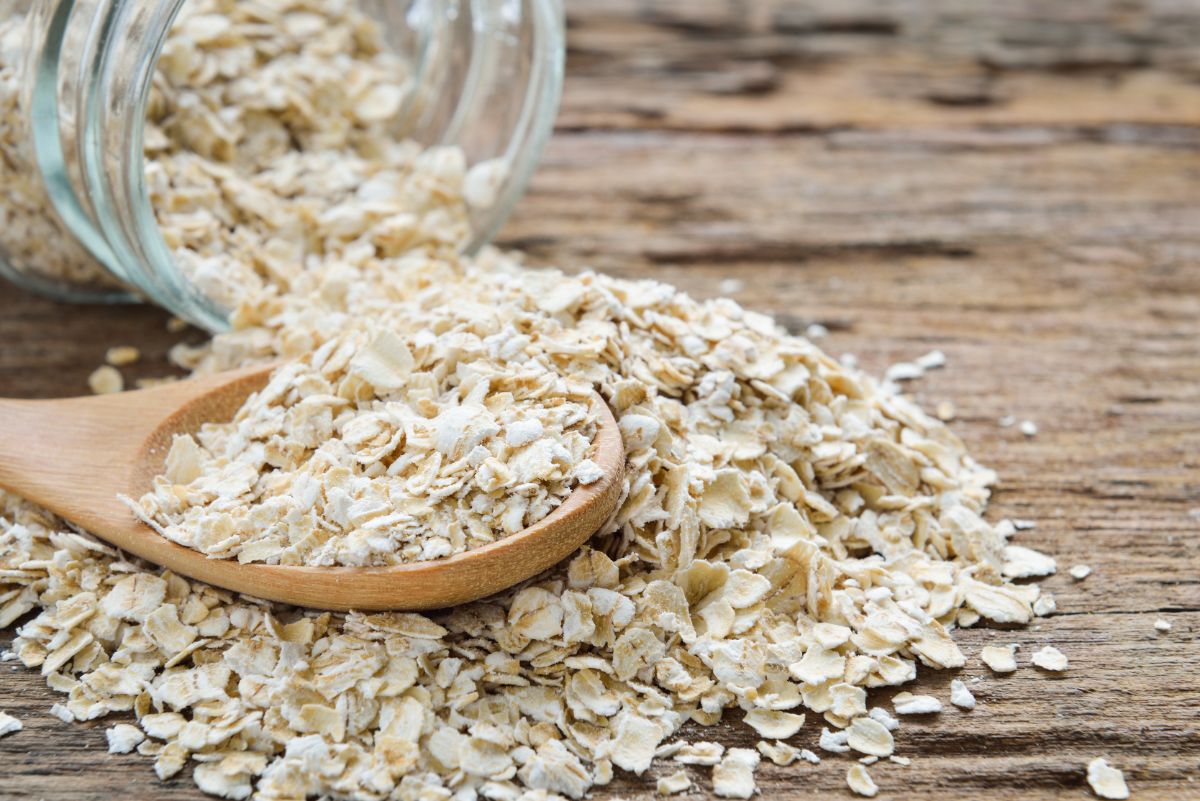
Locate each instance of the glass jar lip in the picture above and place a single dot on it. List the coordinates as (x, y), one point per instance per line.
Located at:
(141, 247)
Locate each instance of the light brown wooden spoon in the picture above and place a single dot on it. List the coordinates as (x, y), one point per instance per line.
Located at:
(74, 456)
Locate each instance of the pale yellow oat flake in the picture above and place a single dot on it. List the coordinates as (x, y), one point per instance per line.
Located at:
(860, 781)
(105, 380)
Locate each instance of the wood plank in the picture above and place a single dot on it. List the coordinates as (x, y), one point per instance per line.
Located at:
(1014, 184)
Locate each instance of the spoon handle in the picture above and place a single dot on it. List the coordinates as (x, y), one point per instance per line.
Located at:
(68, 455)
(75, 455)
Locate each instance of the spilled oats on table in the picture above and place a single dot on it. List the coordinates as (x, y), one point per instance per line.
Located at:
(791, 534)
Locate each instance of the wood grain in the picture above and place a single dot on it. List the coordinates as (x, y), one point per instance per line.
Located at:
(1017, 184)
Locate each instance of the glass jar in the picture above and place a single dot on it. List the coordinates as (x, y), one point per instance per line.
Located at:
(76, 216)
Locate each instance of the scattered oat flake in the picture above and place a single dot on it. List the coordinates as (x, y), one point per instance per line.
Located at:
(1000, 658)
(932, 360)
(779, 753)
(960, 696)
(1007, 421)
(945, 411)
(904, 371)
(733, 777)
(483, 453)
(1022, 562)
(155, 381)
(1049, 658)
(860, 781)
(123, 738)
(106, 380)
(1028, 428)
(880, 714)
(1106, 781)
(672, 783)
(834, 741)
(1162, 625)
(774, 725)
(900, 760)
(908, 704)
(699, 753)
(1045, 605)
(869, 736)
(9, 724)
(122, 355)
(1080, 572)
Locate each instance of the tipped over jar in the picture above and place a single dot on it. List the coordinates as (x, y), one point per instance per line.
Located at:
(189, 152)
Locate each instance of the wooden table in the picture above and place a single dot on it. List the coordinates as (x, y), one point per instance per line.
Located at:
(1017, 185)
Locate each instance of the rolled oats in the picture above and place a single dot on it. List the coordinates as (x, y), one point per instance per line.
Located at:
(1106, 781)
(378, 449)
(123, 738)
(960, 695)
(869, 736)
(1000, 658)
(733, 776)
(122, 355)
(1021, 562)
(672, 783)
(834, 741)
(861, 782)
(772, 724)
(106, 380)
(9, 724)
(880, 714)
(779, 753)
(1049, 658)
(702, 753)
(908, 704)
(791, 532)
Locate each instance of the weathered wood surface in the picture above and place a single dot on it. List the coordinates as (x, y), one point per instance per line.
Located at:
(1017, 184)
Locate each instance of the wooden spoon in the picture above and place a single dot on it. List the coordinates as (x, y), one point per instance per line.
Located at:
(74, 456)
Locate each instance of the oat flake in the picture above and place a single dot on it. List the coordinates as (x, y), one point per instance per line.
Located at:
(999, 658)
(9, 724)
(1106, 781)
(1049, 658)
(860, 781)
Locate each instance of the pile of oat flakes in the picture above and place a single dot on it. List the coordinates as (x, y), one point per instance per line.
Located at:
(791, 533)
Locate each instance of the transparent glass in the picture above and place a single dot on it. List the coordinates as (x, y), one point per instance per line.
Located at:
(76, 220)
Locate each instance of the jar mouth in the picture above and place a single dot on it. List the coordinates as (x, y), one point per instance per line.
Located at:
(503, 48)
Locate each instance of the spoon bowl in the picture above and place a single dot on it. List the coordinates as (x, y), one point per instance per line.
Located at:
(75, 457)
